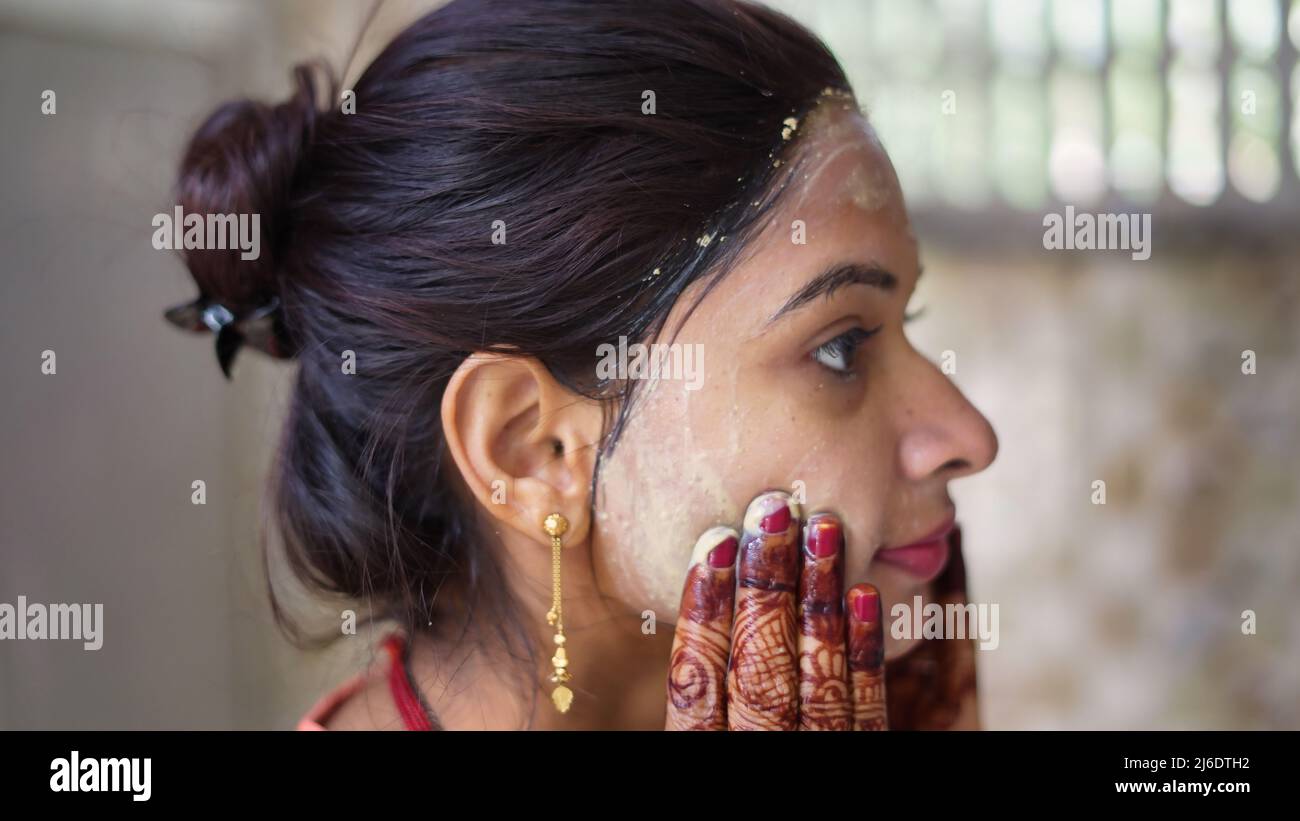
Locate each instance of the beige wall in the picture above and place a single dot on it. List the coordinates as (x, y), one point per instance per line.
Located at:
(98, 459)
(1127, 615)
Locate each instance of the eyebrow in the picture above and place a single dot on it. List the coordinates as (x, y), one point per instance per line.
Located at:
(834, 278)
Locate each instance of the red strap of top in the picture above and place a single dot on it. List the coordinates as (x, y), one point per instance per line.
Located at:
(408, 703)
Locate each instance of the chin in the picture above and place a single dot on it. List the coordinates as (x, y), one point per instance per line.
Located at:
(895, 587)
(898, 648)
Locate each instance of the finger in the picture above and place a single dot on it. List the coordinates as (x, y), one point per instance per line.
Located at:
(824, 702)
(866, 658)
(697, 668)
(762, 682)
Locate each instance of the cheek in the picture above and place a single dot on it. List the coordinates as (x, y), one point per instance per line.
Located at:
(858, 481)
(849, 473)
(688, 461)
(664, 484)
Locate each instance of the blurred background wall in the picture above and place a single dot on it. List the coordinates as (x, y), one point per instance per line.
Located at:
(1091, 365)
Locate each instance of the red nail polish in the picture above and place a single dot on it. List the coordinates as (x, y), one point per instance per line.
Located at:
(824, 539)
(724, 555)
(867, 606)
(778, 521)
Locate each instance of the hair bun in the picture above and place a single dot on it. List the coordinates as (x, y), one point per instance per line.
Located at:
(244, 160)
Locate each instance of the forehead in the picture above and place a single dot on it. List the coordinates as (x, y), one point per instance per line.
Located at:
(840, 164)
(842, 204)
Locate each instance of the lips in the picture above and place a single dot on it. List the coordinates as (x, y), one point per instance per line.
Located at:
(925, 558)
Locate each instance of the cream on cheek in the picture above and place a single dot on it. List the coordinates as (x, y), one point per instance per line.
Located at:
(665, 483)
(691, 460)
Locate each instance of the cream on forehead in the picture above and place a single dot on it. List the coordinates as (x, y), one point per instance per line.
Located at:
(841, 166)
(830, 132)
(834, 141)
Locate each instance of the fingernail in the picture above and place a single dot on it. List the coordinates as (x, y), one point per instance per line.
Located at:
(824, 538)
(777, 521)
(866, 605)
(769, 513)
(717, 546)
(724, 555)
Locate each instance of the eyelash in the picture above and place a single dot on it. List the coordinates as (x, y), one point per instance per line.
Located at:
(843, 347)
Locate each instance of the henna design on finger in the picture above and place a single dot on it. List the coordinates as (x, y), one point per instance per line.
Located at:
(867, 659)
(695, 681)
(697, 668)
(824, 698)
(762, 682)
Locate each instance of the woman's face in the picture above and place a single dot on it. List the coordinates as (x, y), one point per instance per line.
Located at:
(808, 384)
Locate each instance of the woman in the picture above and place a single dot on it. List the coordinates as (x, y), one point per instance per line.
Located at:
(463, 259)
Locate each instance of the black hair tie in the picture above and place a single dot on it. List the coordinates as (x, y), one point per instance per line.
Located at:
(261, 329)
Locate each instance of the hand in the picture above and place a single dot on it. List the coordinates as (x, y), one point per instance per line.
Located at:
(764, 639)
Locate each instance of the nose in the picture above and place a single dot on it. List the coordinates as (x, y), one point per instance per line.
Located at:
(943, 435)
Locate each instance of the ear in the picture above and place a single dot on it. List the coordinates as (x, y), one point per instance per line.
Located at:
(525, 445)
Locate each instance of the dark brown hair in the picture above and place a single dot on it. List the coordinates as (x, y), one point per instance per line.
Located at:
(377, 239)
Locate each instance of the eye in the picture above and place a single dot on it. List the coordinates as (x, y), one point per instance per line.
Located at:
(838, 354)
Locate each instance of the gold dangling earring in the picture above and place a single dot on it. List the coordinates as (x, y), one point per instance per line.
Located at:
(555, 525)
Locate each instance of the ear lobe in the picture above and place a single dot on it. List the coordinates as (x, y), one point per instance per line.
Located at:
(524, 444)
